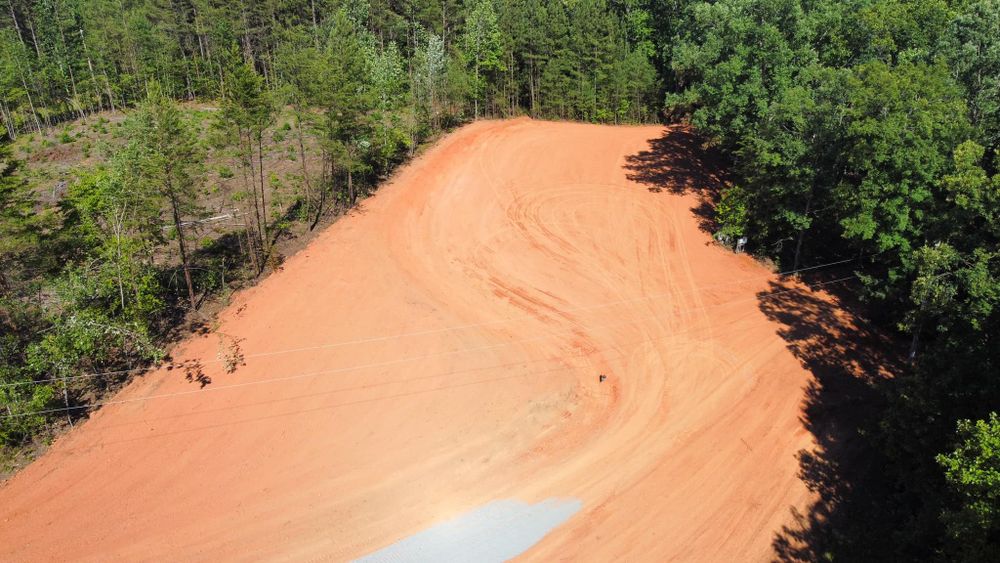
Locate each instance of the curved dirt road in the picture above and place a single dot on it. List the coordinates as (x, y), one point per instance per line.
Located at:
(439, 350)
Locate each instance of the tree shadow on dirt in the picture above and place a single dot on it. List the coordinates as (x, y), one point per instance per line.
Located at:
(194, 372)
(680, 162)
(840, 409)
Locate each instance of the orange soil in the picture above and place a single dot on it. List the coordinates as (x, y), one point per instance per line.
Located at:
(439, 349)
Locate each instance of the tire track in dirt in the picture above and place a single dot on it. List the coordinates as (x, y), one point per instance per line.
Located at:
(512, 231)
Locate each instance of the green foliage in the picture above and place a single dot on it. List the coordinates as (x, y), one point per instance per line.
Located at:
(972, 193)
(866, 129)
(791, 162)
(166, 159)
(972, 471)
(900, 30)
(105, 302)
(483, 44)
(430, 87)
(732, 213)
(972, 46)
(903, 123)
(584, 63)
(249, 106)
(592, 59)
(736, 58)
(20, 227)
(118, 220)
(90, 340)
(386, 82)
(19, 322)
(22, 400)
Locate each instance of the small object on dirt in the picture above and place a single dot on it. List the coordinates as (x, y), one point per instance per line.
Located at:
(601, 378)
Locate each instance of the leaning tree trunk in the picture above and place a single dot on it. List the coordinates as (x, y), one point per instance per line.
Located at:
(251, 179)
(65, 390)
(326, 177)
(263, 197)
(180, 244)
(31, 103)
(302, 158)
(350, 188)
(802, 236)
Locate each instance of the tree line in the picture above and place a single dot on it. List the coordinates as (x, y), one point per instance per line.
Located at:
(860, 129)
(591, 59)
(869, 130)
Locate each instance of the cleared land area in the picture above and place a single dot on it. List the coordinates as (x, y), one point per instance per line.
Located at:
(439, 350)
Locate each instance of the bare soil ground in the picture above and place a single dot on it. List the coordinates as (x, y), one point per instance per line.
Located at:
(439, 349)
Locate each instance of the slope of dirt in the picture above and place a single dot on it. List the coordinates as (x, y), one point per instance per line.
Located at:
(440, 349)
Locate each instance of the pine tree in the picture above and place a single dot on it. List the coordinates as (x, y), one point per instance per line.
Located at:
(249, 110)
(483, 46)
(18, 223)
(346, 101)
(430, 81)
(169, 159)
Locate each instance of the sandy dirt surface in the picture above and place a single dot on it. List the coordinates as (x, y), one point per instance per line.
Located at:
(439, 350)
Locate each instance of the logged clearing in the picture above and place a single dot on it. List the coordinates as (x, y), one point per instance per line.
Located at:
(439, 350)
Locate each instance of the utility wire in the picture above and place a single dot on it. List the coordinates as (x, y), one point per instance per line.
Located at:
(380, 364)
(383, 338)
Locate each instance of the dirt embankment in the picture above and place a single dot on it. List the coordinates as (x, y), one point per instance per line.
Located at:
(439, 349)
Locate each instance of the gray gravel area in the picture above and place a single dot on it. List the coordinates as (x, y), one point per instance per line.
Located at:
(497, 531)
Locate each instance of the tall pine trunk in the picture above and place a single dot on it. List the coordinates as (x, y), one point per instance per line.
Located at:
(323, 181)
(251, 179)
(302, 157)
(180, 243)
(263, 197)
(802, 235)
(350, 188)
(31, 103)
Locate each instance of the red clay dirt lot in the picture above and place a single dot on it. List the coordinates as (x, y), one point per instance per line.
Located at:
(439, 349)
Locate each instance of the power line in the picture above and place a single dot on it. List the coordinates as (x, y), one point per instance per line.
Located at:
(383, 338)
(380, 364)
(213, 219)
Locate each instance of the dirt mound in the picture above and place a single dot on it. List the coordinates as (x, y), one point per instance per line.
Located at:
(440, 350)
